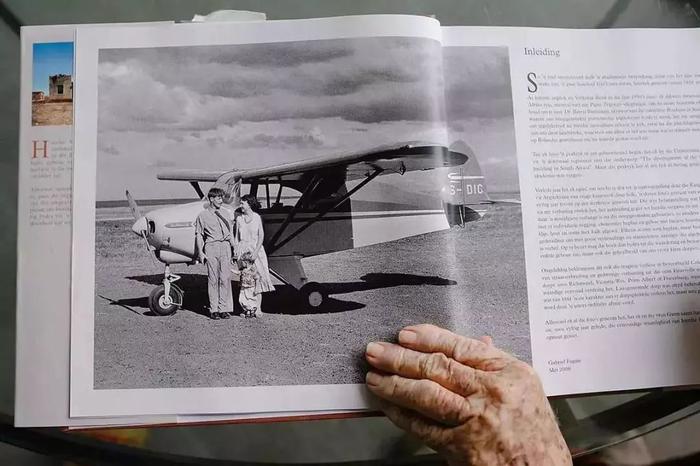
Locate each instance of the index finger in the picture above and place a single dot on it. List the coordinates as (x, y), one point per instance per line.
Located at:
(396, 359)
(475, 353)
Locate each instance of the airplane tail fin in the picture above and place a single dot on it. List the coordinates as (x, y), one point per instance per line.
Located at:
(464, 195)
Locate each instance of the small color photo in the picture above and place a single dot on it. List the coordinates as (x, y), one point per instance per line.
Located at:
(52, 84)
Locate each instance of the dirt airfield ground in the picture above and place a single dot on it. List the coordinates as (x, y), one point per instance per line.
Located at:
(471, 279)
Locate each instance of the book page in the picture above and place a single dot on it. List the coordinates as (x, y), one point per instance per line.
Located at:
(314, 118)
(45, 243)
(482, 197)
(608, 145)
(44, 232)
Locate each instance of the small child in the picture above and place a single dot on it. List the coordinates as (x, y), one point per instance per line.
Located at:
(249, 277)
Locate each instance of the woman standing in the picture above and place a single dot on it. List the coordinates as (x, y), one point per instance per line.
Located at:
(248, 239)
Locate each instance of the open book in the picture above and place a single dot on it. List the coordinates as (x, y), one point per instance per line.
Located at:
(534, 185)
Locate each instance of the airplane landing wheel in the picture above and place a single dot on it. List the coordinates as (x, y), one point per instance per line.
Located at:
(313, 296)
(156, 300)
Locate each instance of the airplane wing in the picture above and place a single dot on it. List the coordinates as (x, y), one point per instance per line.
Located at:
(191, 175)
(398, 158)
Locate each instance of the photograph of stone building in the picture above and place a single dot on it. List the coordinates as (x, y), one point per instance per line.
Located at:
(52, 84)
(60, 87)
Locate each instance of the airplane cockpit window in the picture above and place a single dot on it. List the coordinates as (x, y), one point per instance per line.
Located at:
(276, 195)
(323, 192)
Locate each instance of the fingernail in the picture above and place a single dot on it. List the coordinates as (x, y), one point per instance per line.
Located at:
(374, 350)
(373, 379)
(407, 336)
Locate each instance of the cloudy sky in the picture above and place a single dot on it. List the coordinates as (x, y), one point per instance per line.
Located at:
(480, 110)
(50, 58)
(243, 106)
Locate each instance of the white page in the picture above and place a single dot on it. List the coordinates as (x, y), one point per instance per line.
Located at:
(43, 243)
(479, 118)
(621, 307)
(85, 399)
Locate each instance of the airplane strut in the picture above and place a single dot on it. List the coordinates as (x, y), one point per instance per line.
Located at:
(315, 180)
(274, 246)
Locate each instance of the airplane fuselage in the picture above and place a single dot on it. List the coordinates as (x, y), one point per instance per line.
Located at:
(170, 230)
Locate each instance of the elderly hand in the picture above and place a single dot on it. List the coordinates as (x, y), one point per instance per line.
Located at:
(466, 399)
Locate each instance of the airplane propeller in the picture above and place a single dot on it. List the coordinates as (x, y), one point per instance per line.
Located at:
(140, 226)
(133, 206)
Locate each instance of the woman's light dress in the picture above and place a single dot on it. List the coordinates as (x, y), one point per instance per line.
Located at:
(249, 231)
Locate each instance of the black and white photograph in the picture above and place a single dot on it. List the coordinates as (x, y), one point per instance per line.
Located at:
(265, 210)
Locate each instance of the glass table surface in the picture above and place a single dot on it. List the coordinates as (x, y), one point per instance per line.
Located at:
(589, 423)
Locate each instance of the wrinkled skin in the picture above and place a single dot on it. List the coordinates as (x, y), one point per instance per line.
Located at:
(470, 401)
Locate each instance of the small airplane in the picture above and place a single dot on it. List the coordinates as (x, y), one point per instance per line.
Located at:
(318, 217)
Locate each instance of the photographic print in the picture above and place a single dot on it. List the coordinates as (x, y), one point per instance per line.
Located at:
(52, 84)
(479, 111)
(265, 210)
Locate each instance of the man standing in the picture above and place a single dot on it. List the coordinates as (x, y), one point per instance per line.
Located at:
(213, 245)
